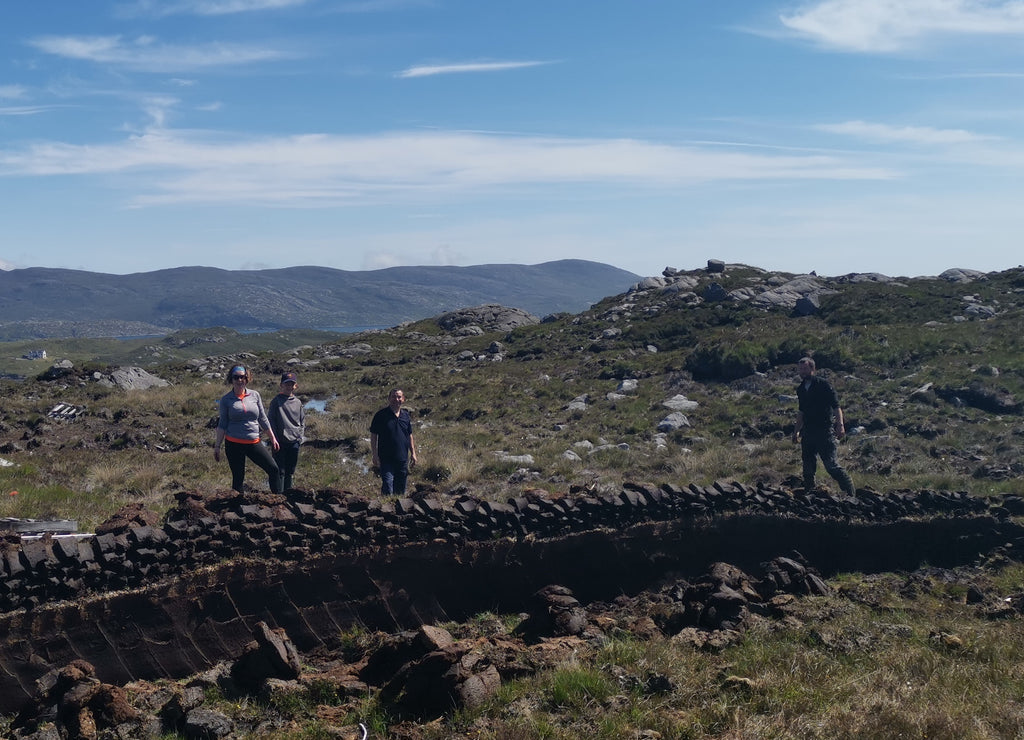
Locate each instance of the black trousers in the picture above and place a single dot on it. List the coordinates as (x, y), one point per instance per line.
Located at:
(822, 444)
(237, 453)
(287, 458)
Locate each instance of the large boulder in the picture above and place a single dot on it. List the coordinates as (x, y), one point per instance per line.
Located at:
(489, 317)
(135, 379)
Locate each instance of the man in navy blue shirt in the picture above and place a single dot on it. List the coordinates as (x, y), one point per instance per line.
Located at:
(392, 444)
(819, 424)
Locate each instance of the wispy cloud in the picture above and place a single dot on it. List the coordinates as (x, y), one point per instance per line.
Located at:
(378, 6)
(447, 69)
(163, 8)
(892, 26)
(159, 8)
(316, 170)
(146, 53)
(23, 110)
(881, 132)
(12, 92)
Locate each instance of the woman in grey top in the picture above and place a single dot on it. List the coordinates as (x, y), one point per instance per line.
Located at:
(242, 416)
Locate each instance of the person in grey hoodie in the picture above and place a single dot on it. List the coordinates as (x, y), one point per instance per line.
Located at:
(242, 417)
(288, 420)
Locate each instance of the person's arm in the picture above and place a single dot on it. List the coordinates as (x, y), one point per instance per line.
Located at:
(264, 421)
(373, 449)
(840, 427)
(274, 415)
(837, 417)
(798, 427)
(222, 428)
(412, 450)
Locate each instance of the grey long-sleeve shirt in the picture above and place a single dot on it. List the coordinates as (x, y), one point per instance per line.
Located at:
(242, 418)
(287, 418)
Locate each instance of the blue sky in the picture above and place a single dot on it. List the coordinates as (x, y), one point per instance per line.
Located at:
(836, 136)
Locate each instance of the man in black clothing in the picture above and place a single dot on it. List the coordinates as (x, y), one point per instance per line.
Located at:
(392, 444)
(819, 423)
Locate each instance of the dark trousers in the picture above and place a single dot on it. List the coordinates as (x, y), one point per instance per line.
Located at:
(237, 453)
(287, 458)
(393, 475)
(822, 444)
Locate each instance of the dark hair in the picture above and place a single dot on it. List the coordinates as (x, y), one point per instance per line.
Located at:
(806, 361)
(234, 371)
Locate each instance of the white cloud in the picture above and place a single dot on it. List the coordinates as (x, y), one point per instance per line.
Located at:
(445, 69)
(22, 110)
(12, 92)
(378, 260)
(6, 266)
(444, 254)
(322, 170)
(896, 25)
(881, 132)
(145, 53)
(161, 8)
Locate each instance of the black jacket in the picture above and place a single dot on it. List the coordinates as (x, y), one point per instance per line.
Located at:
(818, 403)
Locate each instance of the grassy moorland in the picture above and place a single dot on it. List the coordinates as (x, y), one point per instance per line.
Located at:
(931, 376)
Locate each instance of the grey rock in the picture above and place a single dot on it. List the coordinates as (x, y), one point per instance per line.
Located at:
(980, 311)
(680, 403)
(517, 459)
(649, 283)
(675, 420)
(807, 305)
(207, 724)
(961, 275)
(489, 317)
(135, 379)
(715, 292)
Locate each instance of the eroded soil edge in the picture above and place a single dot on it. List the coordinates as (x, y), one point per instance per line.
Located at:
(193, 587)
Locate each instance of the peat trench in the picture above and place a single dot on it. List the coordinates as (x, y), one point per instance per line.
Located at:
(143, 599)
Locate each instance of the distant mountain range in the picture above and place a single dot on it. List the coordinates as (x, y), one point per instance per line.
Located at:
(40, 302)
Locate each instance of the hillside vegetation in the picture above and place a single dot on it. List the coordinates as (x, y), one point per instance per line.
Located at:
(930, 387)
(930, 372)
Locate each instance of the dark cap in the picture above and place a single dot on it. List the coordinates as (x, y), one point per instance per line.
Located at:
(289, 378)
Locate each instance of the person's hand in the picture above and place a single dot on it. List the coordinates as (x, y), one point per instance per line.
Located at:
(412, 460)
(275, 445)
(216, 454)
(796, 437)
(840, 430)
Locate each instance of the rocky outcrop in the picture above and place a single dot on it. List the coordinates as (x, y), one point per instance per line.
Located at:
(132, 379)
(488, 318)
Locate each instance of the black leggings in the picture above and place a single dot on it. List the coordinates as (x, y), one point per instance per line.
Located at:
(259, 454)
